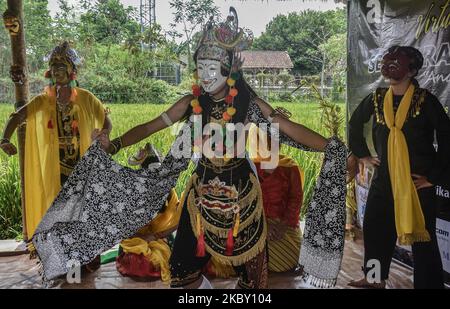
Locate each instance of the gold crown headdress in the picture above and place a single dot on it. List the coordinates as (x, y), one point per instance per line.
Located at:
(65, 54)
(219, 39)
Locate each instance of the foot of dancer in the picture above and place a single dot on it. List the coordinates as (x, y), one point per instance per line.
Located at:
(92, 266)
(202, 284)
(363, 283)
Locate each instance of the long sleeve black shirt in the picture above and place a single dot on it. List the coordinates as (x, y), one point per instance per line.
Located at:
(425, 118)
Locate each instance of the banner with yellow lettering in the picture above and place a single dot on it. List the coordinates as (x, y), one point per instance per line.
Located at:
(376, 25)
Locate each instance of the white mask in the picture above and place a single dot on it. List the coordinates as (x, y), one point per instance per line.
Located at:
(210, 75)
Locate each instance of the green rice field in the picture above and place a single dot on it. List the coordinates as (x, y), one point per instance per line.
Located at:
(126, 116)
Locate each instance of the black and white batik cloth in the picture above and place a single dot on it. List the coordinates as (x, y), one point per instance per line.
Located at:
(103, 202)
(324, 235)
(100, 204)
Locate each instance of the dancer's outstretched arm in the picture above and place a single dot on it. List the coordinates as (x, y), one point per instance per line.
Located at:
(142, 131)
(296, 135)
(297, 132)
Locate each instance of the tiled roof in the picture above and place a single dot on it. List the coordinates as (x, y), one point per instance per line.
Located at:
(266, 59)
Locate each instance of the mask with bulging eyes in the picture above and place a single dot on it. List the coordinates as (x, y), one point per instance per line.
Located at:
(210, 75)
(395, 65)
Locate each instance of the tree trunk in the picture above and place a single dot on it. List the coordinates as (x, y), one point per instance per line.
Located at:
(322, 75)
(19, 77)
(189, 59)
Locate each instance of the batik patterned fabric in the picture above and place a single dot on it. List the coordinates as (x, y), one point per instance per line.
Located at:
(324, 235)
(103, 202)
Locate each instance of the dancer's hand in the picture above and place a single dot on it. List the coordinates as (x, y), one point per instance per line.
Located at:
(102, 136)
(370, 161)
(421, 182)
(9, 148)
(352, 167)
(95, 134)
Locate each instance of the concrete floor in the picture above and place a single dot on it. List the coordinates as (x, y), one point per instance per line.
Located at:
(19, 272)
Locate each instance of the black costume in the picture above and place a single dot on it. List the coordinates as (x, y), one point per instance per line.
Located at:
(426, 116)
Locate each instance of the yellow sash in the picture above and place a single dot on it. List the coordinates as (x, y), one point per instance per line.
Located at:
(42, 169)
(283, 160)
(409, 219)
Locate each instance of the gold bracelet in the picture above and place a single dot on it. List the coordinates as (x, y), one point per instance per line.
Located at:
(117, 144)
(166, 119)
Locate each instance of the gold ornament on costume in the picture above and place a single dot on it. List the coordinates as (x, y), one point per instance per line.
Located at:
(12, 23)
(282, 112)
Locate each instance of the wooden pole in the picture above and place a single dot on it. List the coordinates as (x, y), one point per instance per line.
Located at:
(14, 22)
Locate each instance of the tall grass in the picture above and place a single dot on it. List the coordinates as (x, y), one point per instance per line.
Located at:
(127, 116)
(10, 207)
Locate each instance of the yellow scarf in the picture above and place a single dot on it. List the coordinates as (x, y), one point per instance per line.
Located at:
(256, 157)
(42, 169)
(166, 220)
(409, 219)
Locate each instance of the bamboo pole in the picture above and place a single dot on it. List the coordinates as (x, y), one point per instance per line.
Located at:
(14, 22)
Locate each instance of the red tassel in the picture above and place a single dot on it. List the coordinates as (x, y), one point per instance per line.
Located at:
(74, 127)
(200, 245)
(73, 76)
(230, 243)
(50, 124)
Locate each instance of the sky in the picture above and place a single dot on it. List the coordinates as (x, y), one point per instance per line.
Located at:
(253, 14)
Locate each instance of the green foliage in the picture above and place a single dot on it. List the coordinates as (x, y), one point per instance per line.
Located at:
(336, 52)
(39, 34)
(39, 30)
(126, 117)
(66, 23)
(266, 79)
(301, 34)
(286, 97)
(107, 21)
(332, 116)
(10, 206)
(116, 75)
(284, 78)
(120, 89)
(106, 34)
(193, 15)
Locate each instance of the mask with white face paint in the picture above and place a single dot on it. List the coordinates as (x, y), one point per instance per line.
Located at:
(210, 75)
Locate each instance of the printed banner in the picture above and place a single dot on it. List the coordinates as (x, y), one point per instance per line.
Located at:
(376, 25)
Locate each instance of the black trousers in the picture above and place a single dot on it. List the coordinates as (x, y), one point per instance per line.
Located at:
(380, 236)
